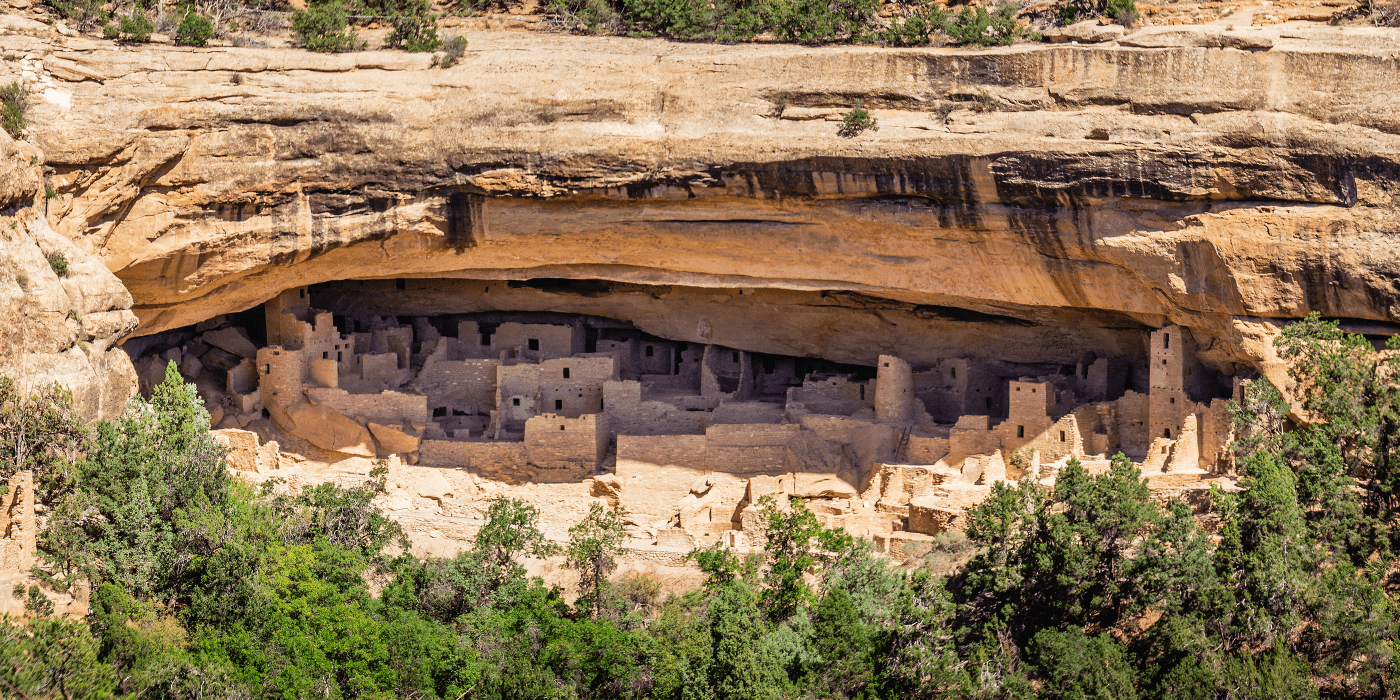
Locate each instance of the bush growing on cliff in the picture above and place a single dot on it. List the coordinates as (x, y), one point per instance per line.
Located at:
(980, 28)
(1124, 12)
(414, 28)
(453, 50)
(324, 28)
(857, 121)
(12, 108)
(58, 263)
(921, 26)
(136, 28)
(194, 30)
(83, 15)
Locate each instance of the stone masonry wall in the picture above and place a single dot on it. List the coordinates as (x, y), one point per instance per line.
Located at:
(740, 448)
(466, 385)
(479, 455)
(577, 445)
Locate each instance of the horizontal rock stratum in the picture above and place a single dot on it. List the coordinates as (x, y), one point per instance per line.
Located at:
(1070, 196)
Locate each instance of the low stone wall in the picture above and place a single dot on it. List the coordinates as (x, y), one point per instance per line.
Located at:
(748, 448)
(478, 455)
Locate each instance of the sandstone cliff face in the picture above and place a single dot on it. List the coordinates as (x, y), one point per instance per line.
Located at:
(57, 328)
(1114, 189)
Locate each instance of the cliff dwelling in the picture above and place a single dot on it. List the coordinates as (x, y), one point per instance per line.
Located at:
(546, 386)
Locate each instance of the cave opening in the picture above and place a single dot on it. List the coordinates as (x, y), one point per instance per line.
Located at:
(462, 360)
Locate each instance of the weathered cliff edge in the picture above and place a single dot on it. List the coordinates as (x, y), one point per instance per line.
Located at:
(1114, 189)
(57, 328)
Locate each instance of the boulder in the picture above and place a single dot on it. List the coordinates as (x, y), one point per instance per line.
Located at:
(323, 427)
(823, 487)
(190, 367)
(1086, 32)
(393, 439)
(242, 448)
(1175, 37)
(608, 486)
(433, 486)
(1249, 39)
(231, 340)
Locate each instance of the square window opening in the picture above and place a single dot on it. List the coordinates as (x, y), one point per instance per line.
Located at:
(649, 351)
(1062, 436)
(559, 404)
(1020, 431)
(533, 343)
(515, 402)
(566, 372)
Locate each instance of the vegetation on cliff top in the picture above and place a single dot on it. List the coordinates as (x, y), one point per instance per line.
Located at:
(206, 587)
(327, 25)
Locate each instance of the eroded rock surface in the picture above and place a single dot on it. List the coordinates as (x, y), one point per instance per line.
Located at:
(1111, 188)
(57, 327)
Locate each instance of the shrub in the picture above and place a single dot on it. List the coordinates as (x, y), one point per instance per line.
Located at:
(588, 16)
(1068, 14)
(1123, 12)
(35, 602)
(135, 28)
(49, 192)
(1385, 14)
(415, 28)
(680, 19)
(58, 264)
(810, 21)
(23, 281)
(857, 121)
(110, 31)
(453, 50)
(84, 15)
(12, 108)
(920, 28)
(323, 28)
(987, 103)
(194, 30)
(980, 28)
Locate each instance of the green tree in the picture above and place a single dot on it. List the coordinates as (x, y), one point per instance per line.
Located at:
(151, 470)
(136, 27)
(1352, 396)
(1077, 666)
(51, 658)
(194, 29)
(511, 531)
(593, 547)
(917, 654)
(843, 645)
(414, 28)
(795, 543)
(41, 432)
(324, 28)
(1262, 553)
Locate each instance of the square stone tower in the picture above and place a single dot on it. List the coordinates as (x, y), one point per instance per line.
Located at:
(1170, 368)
